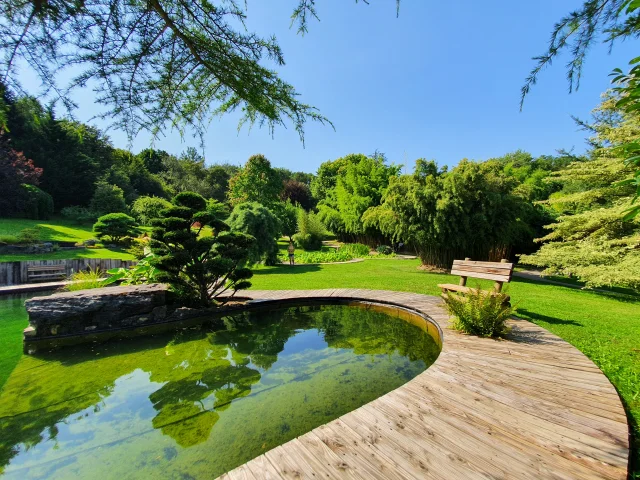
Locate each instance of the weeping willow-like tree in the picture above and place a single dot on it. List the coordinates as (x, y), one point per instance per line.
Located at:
(610, 21)
(470, 211)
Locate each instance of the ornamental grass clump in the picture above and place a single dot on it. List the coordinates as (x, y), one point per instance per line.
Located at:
(479, 313)
(86, 279)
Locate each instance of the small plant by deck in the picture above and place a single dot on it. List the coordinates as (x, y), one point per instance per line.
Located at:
(198, 267)
(479, 313)
(85, 280)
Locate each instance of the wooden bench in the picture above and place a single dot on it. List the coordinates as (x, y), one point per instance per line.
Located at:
(39, 273)
(499, 272)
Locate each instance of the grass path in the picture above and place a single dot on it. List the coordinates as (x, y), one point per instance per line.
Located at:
(606, 327)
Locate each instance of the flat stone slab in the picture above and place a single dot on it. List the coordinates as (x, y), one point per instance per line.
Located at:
(528, 407)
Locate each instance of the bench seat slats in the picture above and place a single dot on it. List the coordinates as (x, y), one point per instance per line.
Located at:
(450, 287)
(45, 268)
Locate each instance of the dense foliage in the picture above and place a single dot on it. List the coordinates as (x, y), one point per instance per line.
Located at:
(468, 212)
(256, 182)
(311, 231)
(199, 266)
(258, 221)
(115, 227)
(349, 186)
(591, 240)
(146, 209)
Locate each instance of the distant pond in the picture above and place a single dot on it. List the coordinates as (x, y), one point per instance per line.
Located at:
(198, 402)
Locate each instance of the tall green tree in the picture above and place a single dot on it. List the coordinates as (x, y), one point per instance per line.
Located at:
(255, 219)
(359, 182)
(257, 181)
(611, 20)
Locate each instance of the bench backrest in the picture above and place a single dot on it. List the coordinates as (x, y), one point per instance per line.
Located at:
(499, 272)
(46, 268)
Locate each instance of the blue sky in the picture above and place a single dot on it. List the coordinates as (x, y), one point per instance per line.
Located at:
(441, 81)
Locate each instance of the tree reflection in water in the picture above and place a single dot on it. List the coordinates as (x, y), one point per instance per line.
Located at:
(297, 368)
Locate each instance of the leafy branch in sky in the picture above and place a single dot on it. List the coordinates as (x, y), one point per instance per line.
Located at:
(154, 64)
(576, 32)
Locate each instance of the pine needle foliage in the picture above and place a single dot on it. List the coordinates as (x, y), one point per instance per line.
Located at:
(479, 313)
(154, 63)
(198, 267)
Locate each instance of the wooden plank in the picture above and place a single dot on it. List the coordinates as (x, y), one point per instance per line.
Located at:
(530, 407)
(473, 263)
(484, 276)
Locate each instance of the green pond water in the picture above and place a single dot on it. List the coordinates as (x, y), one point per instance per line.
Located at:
(197, 402)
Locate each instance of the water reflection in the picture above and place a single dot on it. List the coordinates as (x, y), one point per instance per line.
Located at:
(199, 402)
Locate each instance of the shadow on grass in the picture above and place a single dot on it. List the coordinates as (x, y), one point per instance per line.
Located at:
(615, 293)
(529, 315)
(287, 269)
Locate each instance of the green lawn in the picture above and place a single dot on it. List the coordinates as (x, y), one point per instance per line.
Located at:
(58, 230)
(115, 253)
(606, 327)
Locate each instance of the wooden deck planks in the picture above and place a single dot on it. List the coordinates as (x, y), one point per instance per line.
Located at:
(530, 407)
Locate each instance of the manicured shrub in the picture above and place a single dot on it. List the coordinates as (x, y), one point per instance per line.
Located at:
(79, 214)
(115, 227)
(311, 231)
(261, 223)
(107, 198)
(146, 209)
(198, 267)
(356, 250)
(479, 313)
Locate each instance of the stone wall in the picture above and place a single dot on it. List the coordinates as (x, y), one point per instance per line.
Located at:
(95, 310)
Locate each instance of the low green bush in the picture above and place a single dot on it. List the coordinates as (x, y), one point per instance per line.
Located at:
(319, 257)
(115, 227)
(79, 214)
(384, 250)
(479, 313)
(9, 239)
(28, 235)
(356, 250)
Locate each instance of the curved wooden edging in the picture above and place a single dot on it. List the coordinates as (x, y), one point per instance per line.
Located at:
(530, 407)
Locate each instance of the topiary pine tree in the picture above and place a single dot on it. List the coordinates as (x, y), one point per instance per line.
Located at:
(115, 226)
(199, 266)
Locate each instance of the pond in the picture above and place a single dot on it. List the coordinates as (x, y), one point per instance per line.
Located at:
(198, 402)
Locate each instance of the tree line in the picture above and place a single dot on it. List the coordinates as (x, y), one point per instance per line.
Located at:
(502, 207)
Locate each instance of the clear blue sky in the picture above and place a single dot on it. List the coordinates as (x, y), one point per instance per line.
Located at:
(441, 81)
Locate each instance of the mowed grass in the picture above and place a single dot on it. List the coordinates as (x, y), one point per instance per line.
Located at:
(58, 230)
(605, 327)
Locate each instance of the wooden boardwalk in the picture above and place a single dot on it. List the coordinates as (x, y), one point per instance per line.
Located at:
(530, 407)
